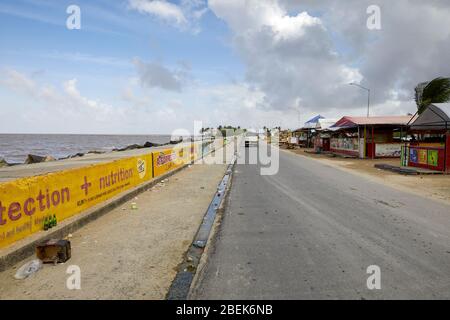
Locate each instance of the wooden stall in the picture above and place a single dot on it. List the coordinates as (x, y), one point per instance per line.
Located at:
(429, 146)
(369, 137)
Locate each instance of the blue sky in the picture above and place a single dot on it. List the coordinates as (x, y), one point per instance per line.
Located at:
(152, 66)
(37, 44)
(36, 40)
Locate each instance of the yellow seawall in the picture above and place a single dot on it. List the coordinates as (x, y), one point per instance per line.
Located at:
(26, 202)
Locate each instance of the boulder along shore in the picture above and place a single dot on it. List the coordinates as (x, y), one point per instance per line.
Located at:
(32, 158)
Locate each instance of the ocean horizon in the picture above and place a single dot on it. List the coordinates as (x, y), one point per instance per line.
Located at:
(15, 147)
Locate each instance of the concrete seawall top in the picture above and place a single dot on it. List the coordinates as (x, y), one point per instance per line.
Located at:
(29, 170)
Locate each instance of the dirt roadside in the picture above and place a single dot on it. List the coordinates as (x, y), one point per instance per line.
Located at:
(436, 187)
(128, 254)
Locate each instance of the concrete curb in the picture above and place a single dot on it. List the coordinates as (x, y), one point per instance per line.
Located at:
(406, 170)
(26, 247)
(187, 270)
(210, 247)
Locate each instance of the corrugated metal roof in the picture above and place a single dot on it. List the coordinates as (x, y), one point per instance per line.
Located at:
(314, 120)
(435, 117)
(311, 123)
(347, 121)
(324, 124)
(445, 107)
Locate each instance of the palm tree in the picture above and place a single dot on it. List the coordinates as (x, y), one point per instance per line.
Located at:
(435, 91)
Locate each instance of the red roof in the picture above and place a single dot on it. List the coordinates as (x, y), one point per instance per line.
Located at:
(361, 121)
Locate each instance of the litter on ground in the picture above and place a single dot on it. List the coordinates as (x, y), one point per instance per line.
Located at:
(28, 269)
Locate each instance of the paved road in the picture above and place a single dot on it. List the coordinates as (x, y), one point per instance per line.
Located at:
(311, 231)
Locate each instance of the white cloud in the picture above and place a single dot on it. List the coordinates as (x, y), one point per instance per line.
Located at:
(64, 109)
(289, 57)
(302, 54)
(258, 16)
(287, 27)
(162, 9)
(32, 106)
(71, 91)
(18, 81)
(184, 16)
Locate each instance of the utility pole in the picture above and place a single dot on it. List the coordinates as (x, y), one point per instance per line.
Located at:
(368, 95)
(368, 114)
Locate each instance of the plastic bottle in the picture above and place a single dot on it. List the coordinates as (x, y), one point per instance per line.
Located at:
(28, 269)
(46, 224)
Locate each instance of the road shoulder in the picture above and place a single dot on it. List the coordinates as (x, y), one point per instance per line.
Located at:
(435, 187)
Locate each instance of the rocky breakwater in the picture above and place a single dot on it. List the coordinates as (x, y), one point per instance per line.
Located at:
(3, 163)
(31, 158)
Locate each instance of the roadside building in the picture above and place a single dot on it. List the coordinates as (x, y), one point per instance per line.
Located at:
(284, 136)
(368, 137)
(323, 134)
(429, 146)
(306, 133)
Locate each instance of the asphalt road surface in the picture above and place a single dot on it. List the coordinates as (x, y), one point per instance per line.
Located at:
(311, 231)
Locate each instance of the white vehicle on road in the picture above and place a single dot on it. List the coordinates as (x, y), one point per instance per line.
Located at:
(251, 139)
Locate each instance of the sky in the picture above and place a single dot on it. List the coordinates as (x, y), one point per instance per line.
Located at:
(154, 66)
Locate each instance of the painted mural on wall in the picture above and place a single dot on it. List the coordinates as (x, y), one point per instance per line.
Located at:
(388, 149)
(423, 156)
(345, 143)
(433, 157)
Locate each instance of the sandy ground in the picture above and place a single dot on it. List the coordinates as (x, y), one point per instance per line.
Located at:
(433, 186)
(128, 254)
